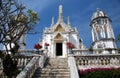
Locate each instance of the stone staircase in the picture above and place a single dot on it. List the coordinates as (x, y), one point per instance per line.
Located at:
(54, 68)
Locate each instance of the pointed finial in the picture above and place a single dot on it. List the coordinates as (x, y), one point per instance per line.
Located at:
(98, 9)
(52, 21)
(60, 13)
(68, 20)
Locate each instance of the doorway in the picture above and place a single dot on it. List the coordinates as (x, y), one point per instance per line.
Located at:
(58, 49)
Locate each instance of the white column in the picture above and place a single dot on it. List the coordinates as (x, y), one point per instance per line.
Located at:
(95, 33)
(54, 49)
(110, 29)
(112, 33)
(53, 53)
(64, 49)
(108, 34)
(93, 37)
(103, 31)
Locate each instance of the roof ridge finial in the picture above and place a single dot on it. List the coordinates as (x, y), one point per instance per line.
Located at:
(68, 20)
(52, 21)
(98, 9)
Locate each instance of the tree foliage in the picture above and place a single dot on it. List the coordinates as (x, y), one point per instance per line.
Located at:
(119, 37)
(14, 21)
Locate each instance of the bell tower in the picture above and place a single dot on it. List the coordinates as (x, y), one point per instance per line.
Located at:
(102, 33)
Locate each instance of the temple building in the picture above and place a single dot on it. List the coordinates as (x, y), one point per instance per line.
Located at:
(58, 35)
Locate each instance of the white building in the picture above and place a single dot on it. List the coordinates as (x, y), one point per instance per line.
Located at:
(58, 35)
(102, 33)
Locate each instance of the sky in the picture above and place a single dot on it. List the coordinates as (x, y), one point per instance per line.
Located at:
(80, 12)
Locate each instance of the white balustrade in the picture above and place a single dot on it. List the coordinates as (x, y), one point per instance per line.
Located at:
(93, 61)
(29, 63)
(22, 61)
(30, 68)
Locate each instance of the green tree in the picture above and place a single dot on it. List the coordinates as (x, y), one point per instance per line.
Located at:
(118, 39)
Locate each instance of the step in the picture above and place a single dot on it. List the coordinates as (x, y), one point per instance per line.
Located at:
(55, 70)
(58, 60)
(49, 68)
(53, 77)
(64, 67)
(48, 73)
(52, 74)
(56, 67)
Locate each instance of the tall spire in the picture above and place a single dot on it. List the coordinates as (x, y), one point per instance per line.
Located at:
(60, 13)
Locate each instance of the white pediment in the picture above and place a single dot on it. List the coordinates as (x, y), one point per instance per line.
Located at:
(59, 28)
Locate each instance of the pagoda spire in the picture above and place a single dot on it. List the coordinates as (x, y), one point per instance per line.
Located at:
(60, 13)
